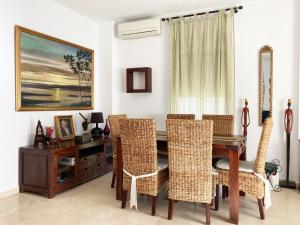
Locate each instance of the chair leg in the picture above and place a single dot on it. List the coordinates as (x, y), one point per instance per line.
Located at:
(217, 198)
(113, 180)
(261, 208)
(124, 199)
(154, 199)
(170, 210)
(224, 191)
(207, 209)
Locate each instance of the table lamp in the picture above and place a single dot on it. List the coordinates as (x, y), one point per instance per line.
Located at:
(97, 117)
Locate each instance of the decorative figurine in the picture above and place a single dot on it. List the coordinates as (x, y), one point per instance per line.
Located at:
(85, 123)
(288, 125)
(40, 138)
(85, 137)
(245, 117)
(106, 130)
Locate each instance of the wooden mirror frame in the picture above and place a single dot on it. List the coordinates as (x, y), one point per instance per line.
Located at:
(265, 49)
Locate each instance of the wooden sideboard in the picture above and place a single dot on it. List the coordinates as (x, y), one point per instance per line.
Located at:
(51, 170)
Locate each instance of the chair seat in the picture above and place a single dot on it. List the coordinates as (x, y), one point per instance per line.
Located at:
(245, 166)
(162, 164)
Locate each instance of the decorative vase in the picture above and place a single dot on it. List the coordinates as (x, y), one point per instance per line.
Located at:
(106, 129)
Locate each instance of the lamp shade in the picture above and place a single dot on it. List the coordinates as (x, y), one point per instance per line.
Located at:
(97, 117)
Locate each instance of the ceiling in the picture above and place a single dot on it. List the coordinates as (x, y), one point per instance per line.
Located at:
(119, 10)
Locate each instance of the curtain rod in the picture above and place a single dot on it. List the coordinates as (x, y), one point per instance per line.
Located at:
(236, 9)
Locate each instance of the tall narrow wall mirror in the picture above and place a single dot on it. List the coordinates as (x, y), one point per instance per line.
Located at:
(265, 83)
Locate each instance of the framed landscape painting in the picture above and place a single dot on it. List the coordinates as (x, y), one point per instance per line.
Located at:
(52, 74)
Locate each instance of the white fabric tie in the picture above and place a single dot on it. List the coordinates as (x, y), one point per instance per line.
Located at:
(267, 198)
(133, 191)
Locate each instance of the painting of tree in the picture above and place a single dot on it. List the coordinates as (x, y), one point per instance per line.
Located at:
(80, 66)
(52, 74)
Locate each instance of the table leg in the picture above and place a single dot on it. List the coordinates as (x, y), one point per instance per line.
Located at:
(243, 158)
(234, 199)
(119, 183)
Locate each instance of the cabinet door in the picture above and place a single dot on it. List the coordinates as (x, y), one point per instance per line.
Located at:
(35, 170)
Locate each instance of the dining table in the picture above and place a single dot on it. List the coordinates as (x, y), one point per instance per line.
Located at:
(231, 147)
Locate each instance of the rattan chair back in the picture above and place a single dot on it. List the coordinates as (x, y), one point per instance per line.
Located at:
(114, 122)
(190, 160)
(139, 150)
(263, 146)
(223, 124)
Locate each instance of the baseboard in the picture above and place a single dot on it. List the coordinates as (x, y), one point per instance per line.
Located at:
(9, 192)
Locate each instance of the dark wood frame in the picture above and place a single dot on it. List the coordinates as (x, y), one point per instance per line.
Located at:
(130, 82)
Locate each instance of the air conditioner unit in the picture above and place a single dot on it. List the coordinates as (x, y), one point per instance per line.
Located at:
(139, 29)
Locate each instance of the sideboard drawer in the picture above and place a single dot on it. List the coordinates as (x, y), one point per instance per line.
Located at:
(85, 173)
(99, 169)
(86, 161)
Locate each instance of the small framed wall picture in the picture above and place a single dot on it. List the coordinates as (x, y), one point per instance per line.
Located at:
(64, 126)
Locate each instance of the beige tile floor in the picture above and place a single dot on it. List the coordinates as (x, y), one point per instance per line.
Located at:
(94, 204)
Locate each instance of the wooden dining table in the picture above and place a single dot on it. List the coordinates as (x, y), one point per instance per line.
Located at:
(231, 147)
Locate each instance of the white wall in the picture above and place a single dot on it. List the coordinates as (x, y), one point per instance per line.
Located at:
(261, 22)
(53, 19)
(145, 52)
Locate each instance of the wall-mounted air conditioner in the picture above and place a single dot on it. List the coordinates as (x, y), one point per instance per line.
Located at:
(139, 29)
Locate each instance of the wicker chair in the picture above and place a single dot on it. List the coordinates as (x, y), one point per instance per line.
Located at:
(181, 116)
(190, 163)
(223, 124)
(140, 157)
(249, 182)
(115, 132)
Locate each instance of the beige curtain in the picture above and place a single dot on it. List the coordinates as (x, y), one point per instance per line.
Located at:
(202, 64)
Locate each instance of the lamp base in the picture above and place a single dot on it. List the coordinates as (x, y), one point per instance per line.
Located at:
(97, 132)
(287, 184)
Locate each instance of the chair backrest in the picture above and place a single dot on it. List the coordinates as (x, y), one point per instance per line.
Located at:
(263, 146)
(223, 124)
(138, 140)
(114, 122)
(181, 116)
(190, 159)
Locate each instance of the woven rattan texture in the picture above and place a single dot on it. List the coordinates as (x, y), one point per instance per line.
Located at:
(139, 152)
(190, 160)
(249, 182)
(114, 122)
(223, 124)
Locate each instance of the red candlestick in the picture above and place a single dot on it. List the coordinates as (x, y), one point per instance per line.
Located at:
(245, 119)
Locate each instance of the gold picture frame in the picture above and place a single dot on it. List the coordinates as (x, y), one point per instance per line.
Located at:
(64, 127)
(265, 88)
(52, 74)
